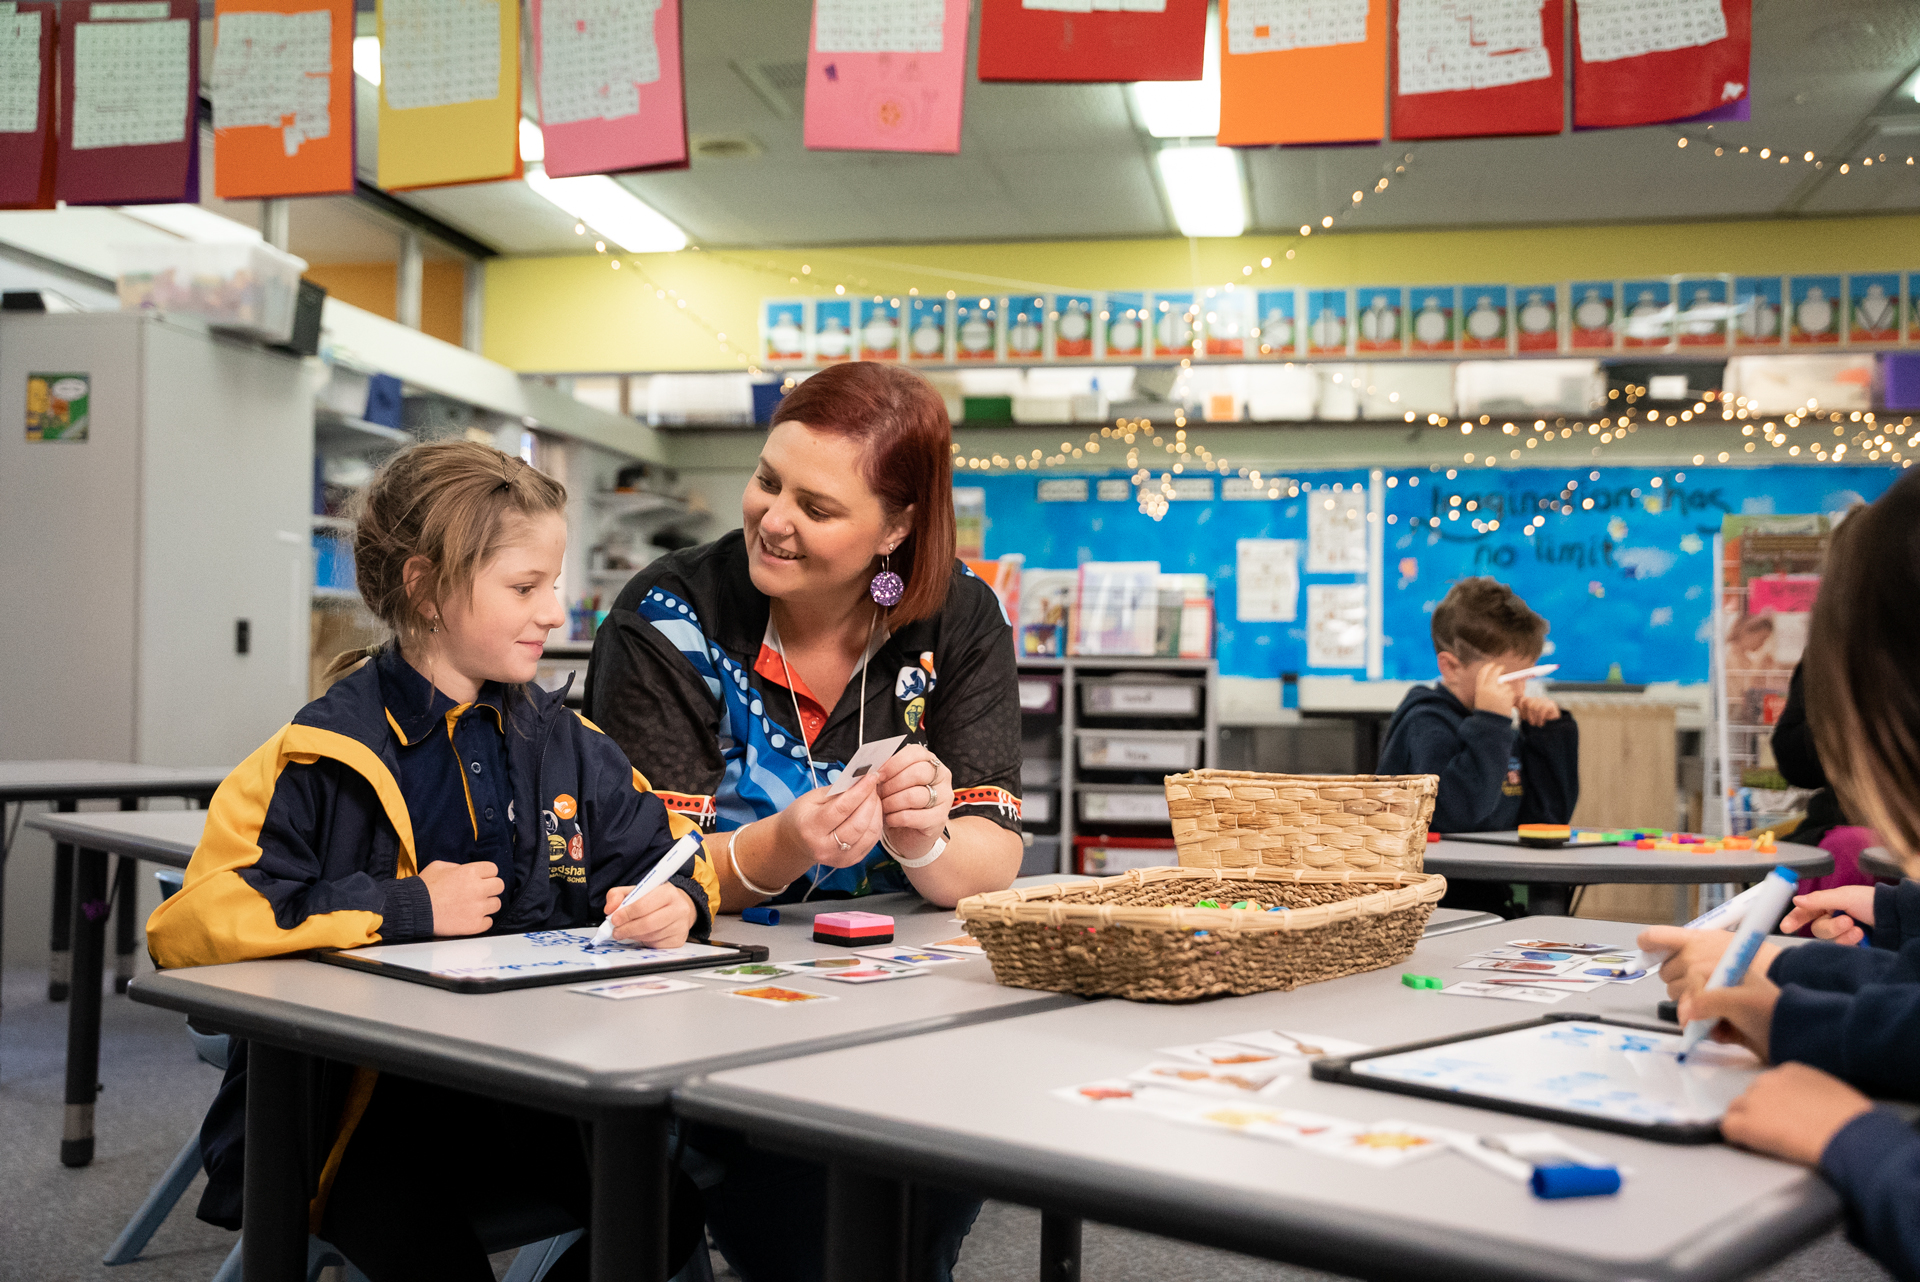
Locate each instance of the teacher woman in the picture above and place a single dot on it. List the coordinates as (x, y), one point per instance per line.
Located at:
(741, 676)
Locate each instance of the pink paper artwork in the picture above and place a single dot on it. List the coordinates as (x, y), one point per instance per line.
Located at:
(886, 75)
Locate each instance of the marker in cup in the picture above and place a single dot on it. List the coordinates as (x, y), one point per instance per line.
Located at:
(1763, 914)
(672, 862)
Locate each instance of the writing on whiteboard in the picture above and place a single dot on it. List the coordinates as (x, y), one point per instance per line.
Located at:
(1450, 45)
(435, 53)
(19, 72)
(274, 69)
(594, 55)
(1269, 26)
(1615, 29)
(129, 83)
(879, 26)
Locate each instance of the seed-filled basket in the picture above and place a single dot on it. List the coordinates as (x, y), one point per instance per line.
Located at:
(1138, 935)
(1340, 854)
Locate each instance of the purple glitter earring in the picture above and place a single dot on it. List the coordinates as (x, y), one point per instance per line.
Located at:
(886, 588)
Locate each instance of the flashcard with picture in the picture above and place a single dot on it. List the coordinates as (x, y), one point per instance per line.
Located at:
(1245, 1081)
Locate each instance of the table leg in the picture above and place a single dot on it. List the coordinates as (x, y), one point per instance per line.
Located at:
(631, 1185)
(1059, 1248)
(126, 921)
(867, 1227)
(89, 937)
(273, 1240)
(1549, 899)
(59, 930)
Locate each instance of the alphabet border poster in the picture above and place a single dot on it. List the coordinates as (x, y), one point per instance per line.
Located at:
(282, 88)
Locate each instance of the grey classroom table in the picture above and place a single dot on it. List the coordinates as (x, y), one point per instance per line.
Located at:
(158, 836)
(1878, 861)
(1552, 874)
(611, 1063)
(974, 1109)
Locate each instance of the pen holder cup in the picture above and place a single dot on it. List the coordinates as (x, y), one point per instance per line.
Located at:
(1239, 820)
(1138, 935)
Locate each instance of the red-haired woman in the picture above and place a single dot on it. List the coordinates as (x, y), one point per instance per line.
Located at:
(741, 676)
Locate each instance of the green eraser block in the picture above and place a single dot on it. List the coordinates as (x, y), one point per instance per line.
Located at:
(1434, 981)
(1208, 903)
(1246, 903)
(1420, 981)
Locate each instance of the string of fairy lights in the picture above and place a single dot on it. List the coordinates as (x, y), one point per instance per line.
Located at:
(1714, 148)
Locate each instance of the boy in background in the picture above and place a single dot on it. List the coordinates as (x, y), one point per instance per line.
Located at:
(1494, 774)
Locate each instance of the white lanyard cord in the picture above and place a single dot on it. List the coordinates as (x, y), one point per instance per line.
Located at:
(801, 722)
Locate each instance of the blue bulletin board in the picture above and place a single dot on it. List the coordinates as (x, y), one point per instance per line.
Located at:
(1625, 581)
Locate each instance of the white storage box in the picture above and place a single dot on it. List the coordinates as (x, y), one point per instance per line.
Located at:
(1124, 805)
(1139, 750)
(246, 287)
(1114, 697)
(1037, 807)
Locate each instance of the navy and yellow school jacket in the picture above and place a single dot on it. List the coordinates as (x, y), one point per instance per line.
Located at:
(309, 844)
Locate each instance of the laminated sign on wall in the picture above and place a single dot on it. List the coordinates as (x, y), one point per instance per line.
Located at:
(282, 88)
(1337, 625)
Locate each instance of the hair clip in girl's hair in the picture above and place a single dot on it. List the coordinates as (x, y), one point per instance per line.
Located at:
(887, 587)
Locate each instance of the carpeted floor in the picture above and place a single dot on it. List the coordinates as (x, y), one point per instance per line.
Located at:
(55, 1223)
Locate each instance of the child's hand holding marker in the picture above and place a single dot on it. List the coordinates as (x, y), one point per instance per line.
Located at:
(1691, 954)
(1742, 1015)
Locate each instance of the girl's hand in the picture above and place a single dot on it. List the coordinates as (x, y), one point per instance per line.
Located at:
(1695, 954)
(1745, 1012)
(660, 918)
(916, 794)
(465, 897)
(837, 831)
(1833, 914)
(1794, 1112)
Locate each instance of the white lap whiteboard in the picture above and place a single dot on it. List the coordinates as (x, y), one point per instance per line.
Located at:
(489, 963)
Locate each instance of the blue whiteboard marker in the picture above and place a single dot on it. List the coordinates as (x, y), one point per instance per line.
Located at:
(1763, 914)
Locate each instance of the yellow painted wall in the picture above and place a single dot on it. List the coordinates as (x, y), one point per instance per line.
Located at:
(370, 287)
(578, 314)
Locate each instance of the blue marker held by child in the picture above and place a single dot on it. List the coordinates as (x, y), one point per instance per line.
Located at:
(1764, 912)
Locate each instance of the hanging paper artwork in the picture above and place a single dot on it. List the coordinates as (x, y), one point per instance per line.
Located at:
(1431, 319)
(1172, 324)
(27, 134)
(1026, 327)
(1536, 319)
(1813, 311)
(449, 92)
(1302, 71)
(1126, 326)
(1756, 311)
(1326, 322)
(1640, 62)
(1092, 40)
(879, 329)
(1701, 320)
(1377, 317)
(1483, 318)
(832, 330)
(783, 330)
(282, 88)
(886, 75)
(127, 127)
(1278, 332)
(612, 96)
(1591, 316)
(1476, 68)
(927, 330)
(1646, 308)
(976, 330)
(1072, 321)
(1873, 308)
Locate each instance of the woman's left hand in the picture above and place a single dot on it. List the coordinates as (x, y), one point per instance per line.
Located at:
(916, 792)
(661, 918)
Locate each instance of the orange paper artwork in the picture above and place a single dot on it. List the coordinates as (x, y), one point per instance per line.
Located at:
(282, 88)
(1302, 71)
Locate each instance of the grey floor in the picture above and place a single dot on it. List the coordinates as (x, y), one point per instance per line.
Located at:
(56, 1223)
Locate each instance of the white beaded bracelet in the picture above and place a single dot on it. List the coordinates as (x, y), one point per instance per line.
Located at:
(740, 876)
(939, 848)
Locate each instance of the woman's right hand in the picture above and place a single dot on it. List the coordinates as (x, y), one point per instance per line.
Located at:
(835, 830)
(465, 896)
(1832, 914)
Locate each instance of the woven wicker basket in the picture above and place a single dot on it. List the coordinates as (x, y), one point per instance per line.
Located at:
(1137, 935)
(1364, 823)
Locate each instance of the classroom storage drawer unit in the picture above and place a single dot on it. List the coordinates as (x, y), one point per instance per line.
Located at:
(1145, 805)
(1106, 856)
(1036, 808)
(1164, 750)
(1139, 697)
(1040, 693)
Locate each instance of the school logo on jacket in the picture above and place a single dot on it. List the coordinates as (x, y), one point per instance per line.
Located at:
(1512, 788)
(564, 806)
(915, 713)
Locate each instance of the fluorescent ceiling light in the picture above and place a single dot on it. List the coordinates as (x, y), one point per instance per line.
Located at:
(191, 222)
(1184, 108)
(366, 58)
(1203, 187)
(533, 143)
(611, 210)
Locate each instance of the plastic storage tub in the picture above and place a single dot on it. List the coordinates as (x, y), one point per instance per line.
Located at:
(249, 288)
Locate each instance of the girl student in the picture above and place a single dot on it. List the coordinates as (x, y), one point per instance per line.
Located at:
(1837, 1019)
(430, 791)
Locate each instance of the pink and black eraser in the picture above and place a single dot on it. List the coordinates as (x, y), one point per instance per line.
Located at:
(852, 930)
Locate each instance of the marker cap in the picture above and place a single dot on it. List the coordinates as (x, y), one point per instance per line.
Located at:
(1575, 1181)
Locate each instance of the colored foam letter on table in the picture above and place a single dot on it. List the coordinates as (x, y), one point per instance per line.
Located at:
(1290, 74)
(449, 92)
(612, 88)
(127, 132)
(283, 91)
(886, 77)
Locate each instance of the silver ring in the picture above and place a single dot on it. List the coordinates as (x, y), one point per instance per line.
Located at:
(835, 834)
(933, 797)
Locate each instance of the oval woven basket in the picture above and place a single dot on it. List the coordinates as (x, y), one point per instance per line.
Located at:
(1239, 819)
(1138, 935)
